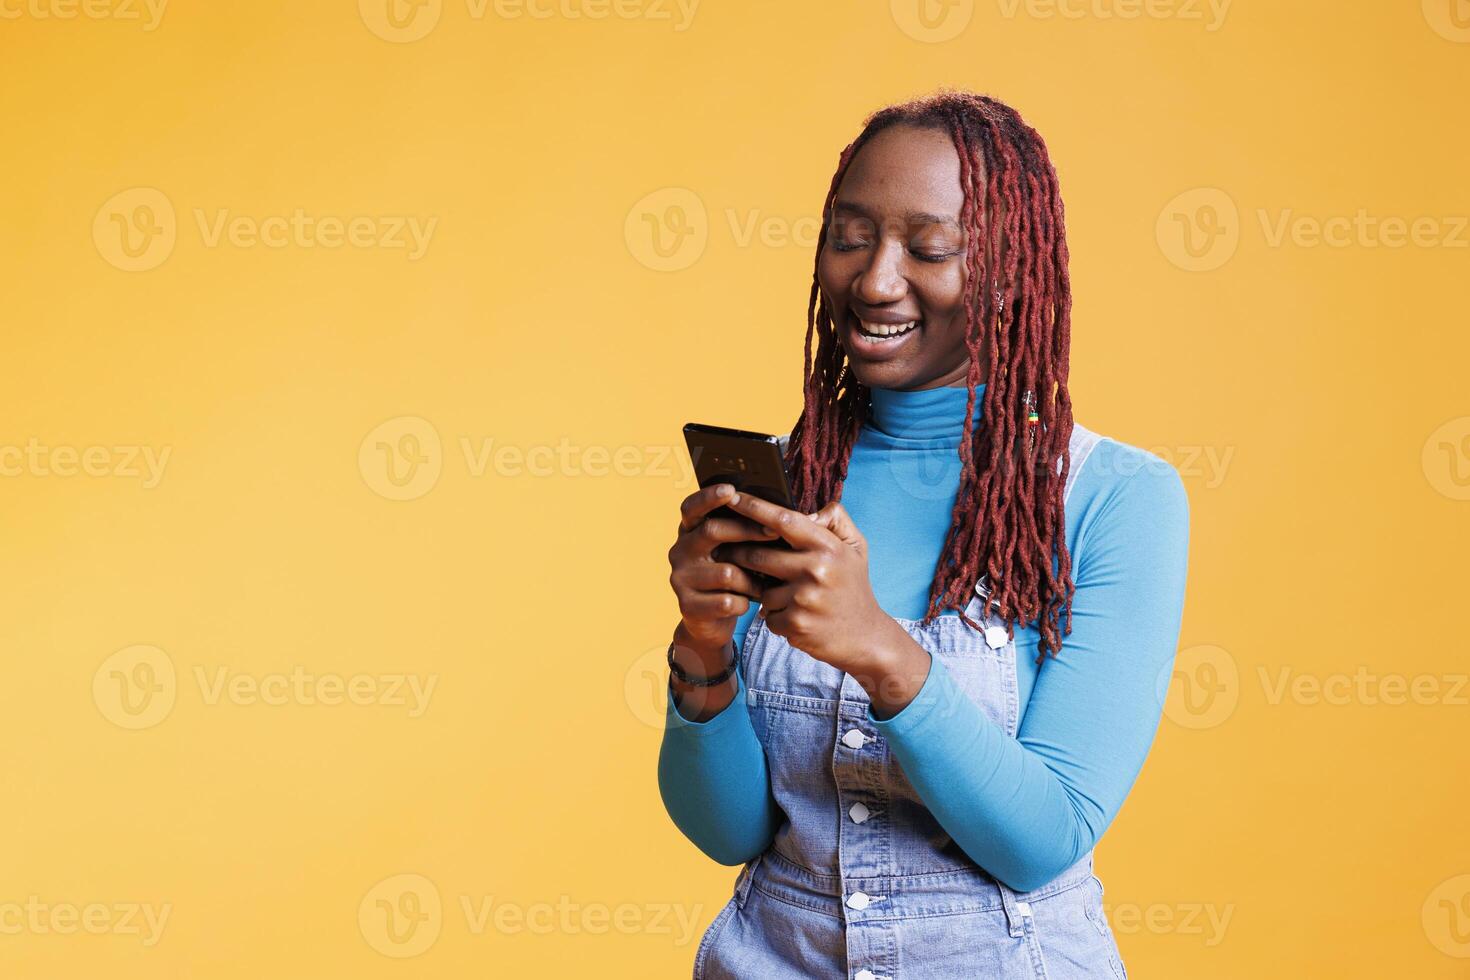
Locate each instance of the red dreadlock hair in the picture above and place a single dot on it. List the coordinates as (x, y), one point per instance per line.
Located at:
(1008, 523)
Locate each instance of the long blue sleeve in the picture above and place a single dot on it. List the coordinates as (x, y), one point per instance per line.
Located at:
(713, 779)
(1026, 809)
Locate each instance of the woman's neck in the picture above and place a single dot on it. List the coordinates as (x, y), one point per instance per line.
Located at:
(926, 415)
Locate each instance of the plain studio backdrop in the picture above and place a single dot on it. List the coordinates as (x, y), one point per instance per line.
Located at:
(345, 353)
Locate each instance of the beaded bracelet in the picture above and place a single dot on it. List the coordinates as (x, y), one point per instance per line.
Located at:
(680, 673)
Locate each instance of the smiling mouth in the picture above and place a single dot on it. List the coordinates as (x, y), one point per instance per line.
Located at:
(884, 333)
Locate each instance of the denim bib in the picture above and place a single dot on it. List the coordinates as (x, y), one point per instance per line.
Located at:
(861, 881)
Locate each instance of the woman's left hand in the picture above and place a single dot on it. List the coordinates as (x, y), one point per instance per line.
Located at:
(824, 604)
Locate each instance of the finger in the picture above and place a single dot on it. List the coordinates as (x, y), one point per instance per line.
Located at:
(722, 577)
(735, 528)
(834, 517)
(699, 503)
(712, 605)
(794, 526)
(781, 563)
(775, 599)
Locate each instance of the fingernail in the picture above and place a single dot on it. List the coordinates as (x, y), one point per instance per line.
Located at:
(735, 499)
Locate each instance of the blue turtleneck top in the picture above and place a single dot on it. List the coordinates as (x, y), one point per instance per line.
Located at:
(1025, 808)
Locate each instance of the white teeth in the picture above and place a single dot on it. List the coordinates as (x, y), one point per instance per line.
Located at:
(887, 329)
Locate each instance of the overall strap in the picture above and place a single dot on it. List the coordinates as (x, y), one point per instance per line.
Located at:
(1079, 447)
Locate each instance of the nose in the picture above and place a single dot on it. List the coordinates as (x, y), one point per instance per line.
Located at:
(882, 281)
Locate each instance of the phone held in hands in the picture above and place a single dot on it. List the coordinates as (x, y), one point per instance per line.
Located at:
(752, 462)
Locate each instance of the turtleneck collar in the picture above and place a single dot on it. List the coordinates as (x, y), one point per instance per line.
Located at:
(927, 415)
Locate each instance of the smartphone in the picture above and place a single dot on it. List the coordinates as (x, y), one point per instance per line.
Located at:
(752, 462)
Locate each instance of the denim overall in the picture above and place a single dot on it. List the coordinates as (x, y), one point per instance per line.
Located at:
(861, 881)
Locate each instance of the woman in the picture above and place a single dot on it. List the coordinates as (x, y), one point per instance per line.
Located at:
(911, 796)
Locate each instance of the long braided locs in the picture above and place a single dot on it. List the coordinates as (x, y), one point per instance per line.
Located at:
(1007, 531)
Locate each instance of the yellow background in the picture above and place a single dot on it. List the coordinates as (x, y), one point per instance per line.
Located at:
(1312, 395)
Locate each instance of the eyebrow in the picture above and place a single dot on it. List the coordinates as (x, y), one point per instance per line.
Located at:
(919, 217)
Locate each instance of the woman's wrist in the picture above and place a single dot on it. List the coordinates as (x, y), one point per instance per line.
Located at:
(701, 702)
(896, 667)
(706, 677)
(696, 658)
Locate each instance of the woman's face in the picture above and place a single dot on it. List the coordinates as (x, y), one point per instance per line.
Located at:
(893, 266)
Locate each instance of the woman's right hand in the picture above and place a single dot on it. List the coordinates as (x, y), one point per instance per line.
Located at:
(712, 593)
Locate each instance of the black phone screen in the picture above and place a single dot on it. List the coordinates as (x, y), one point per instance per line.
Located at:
(749, 461)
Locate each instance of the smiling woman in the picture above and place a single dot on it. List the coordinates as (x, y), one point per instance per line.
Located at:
(909, 794)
